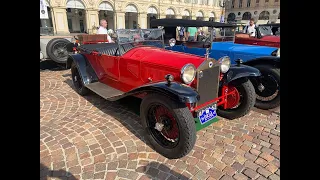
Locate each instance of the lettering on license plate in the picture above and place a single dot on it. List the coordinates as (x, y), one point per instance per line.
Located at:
(207, 114)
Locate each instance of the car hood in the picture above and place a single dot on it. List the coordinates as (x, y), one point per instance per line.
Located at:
(243, 48)
(271, 38)
(154, 55)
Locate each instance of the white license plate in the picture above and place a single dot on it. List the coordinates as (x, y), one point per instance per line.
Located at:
(208, 113)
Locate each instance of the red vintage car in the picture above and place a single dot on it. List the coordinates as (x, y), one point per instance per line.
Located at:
(267, 35)
(180, 93)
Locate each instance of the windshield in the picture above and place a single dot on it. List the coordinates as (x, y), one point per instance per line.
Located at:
(265, 30)
(223, 34)
(151, 37)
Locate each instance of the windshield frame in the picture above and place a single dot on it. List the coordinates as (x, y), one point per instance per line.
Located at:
(141, 40)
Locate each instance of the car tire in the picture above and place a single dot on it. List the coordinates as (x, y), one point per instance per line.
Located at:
(246, 89)
(57, 50)
(274, 73)
(77, 81)
(184, 121)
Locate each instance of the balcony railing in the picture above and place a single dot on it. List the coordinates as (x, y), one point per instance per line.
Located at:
(46, 31)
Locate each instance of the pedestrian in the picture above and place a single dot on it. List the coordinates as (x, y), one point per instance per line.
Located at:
(181, 31)
(250, 28)
(192, 33)
(103, 30)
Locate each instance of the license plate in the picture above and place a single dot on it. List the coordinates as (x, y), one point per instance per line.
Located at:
(208, 113)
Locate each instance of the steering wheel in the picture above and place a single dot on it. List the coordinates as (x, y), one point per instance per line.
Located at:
(207, 42)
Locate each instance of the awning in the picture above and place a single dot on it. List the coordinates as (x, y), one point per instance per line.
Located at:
(199, 14)
(105, 6)
(169, 12)
(262, 21)
(186, 13)
(152, 10)
(131, 8)
(75, 4)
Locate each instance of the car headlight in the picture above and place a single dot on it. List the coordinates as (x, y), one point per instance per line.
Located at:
(225, 64)
(172, 42)
(188, 73)
(278, 53)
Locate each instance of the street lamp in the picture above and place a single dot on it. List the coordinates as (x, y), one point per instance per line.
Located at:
(222, 4)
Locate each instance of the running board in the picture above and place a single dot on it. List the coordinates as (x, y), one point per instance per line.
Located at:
(104, 91)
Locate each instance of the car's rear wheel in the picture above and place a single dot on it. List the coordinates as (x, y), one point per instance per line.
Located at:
(77, 81)
(170, 125)
(240, 102)
(267, 87)
(57, 50)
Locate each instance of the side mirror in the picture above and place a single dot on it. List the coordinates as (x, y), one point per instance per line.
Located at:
(69, 47)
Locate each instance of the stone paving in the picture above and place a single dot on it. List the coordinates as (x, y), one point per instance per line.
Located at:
(91, 138)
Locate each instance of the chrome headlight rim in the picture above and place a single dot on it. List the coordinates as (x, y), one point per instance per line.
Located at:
(225, 64)
(183, 70)
(172, 42)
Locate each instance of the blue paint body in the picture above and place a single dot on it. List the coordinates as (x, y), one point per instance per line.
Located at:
(234, 51)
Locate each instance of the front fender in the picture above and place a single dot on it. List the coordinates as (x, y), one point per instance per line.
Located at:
(239, 71)
(268, 60)
(84, 67)
(175, 90)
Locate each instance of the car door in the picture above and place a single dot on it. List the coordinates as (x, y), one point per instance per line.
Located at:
(110, 66)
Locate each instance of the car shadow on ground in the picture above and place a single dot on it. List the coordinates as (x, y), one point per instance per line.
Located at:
(155, 170)
(46, 173)
(125, 110)
(51, 65)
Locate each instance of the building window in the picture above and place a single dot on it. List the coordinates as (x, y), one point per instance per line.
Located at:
(266, 1)
(205, 2)
(195, 1)
(232, 3)
(276, 0)
(240, 3)
(248, 3)
(187, 1)
(257, 1)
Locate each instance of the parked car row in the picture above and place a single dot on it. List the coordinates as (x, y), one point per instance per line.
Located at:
(184, 86)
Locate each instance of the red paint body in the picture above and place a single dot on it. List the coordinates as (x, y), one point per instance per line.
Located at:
(272, 41)
(138, 65)
(141, 64)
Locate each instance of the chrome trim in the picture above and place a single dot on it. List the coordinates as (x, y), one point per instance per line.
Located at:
(184, 68)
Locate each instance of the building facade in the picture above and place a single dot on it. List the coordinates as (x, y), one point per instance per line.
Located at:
(261, 10)
(76, 16)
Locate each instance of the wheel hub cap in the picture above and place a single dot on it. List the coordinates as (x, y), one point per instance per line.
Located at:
(233, 99)
(159, 126)
(261, 87)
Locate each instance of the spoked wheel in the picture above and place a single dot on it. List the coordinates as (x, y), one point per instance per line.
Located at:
(267, 87)
(163, 126)
(77, 81)
(170, 125)
(57, 50)
(240, 102)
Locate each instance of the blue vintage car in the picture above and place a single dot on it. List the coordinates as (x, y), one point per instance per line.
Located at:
(220, 43)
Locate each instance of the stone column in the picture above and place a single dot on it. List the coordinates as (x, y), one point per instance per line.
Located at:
(53, 21)
(120, 20)
(92, 19)
(60, 20)
(143, 20)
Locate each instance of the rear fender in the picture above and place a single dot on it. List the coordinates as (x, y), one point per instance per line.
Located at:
(237, 72)
(268, 60)
(84, 67)
(174, 90)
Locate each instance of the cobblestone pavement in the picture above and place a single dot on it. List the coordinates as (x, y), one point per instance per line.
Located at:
(91, 138)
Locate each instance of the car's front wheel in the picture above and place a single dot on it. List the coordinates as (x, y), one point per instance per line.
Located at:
(77, 80)
(169, 124)
(240, 102)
